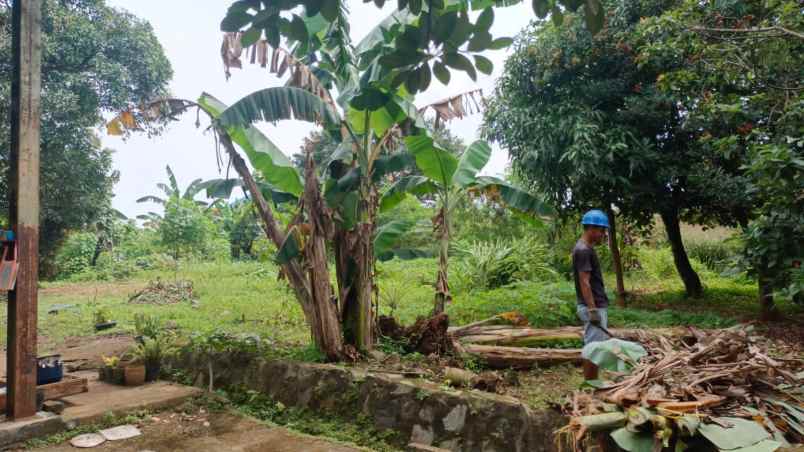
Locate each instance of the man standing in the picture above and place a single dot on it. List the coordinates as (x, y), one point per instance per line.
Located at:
(589, 290)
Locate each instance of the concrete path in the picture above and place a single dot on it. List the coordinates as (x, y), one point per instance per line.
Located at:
(218, 432)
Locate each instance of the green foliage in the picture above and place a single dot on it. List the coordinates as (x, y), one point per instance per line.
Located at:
(657, 263)
(148, 326)
(184, 227)
(489, 265)
(153, 350)
(101, 315)
(419, 40)
(716, 256)
(773, 248)
(345, 427)
(95, 59)
(545, 305)
(748, 111)
(272, 164)
(75, 256)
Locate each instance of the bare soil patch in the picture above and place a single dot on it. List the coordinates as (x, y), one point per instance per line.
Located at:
(196, 429)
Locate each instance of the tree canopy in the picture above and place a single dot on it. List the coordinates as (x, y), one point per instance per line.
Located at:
(588, 125)
(95, 59)
(666, 111)
(737, 67)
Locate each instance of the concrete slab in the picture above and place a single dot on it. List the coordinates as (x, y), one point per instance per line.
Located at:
(104, 398)
(41, 424)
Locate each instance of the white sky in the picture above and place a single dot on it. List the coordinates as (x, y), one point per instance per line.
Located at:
(188, 31)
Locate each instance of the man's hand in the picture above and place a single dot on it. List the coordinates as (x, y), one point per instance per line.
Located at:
(594, 316)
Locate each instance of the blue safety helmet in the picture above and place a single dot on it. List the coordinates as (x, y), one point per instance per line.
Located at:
(595, 218)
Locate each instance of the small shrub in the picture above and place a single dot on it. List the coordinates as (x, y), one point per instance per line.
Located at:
(102, 315)
(147, 326)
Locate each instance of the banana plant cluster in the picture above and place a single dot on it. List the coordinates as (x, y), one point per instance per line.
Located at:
(449, 178)
(363, 99)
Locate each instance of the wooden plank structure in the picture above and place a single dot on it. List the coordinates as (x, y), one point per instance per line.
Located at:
(69, 385)
(24, 206)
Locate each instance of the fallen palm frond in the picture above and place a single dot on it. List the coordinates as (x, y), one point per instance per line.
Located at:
(725, 389)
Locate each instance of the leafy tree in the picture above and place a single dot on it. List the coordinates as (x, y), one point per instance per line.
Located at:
(450, 178)
(184, 227)
(95, 59)
(435, 35)
(587, 125)
(740, 67)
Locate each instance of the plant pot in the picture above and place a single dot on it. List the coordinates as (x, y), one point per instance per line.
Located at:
(152, 371)
(113, 375)
(105, 325)
(134, 374)
(49, 369)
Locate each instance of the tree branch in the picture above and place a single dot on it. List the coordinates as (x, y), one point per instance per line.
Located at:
(753, 30)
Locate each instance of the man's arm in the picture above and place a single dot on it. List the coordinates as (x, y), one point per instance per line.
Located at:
(586, 289)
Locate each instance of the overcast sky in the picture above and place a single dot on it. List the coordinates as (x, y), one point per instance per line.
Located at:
(188, 31)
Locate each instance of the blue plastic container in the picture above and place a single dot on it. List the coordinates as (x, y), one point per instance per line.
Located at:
(49, 369)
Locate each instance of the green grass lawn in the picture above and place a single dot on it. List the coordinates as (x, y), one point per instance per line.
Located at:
(245, 297)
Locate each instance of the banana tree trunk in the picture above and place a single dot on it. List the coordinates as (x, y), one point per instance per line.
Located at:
(358, 275)
(442, 295)
(325, 322)
(316, 301)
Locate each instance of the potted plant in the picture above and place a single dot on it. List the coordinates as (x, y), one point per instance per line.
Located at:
(134, 373)
(111, 372)
(146, 326)
(102, 321)
(152, 351)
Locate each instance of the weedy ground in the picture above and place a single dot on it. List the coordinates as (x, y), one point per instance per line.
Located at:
(246, 297)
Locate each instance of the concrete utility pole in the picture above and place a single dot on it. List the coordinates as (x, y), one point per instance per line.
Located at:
(24, 203)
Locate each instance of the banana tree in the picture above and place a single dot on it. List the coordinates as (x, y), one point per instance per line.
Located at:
(173, 192)
(448, 178)
(373, 110)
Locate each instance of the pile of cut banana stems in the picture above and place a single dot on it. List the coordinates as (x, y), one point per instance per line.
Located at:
(708, 390)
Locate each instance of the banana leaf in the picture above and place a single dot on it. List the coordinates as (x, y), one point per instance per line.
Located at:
(274, 166)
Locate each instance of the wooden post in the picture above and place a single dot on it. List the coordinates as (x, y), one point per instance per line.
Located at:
(24, 207)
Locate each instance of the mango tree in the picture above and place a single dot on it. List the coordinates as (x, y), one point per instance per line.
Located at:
(449, 178)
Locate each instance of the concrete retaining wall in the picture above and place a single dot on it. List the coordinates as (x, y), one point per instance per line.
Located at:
(420, 411)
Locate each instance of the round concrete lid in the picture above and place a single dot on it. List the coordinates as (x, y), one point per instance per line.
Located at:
(88, 440)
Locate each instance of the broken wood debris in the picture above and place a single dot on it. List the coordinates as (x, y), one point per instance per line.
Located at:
(725, 375)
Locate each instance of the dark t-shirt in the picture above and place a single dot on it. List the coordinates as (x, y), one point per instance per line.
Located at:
(584, 259)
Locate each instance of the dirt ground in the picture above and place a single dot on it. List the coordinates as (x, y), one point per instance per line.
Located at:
(82, 353)
(203, 431)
